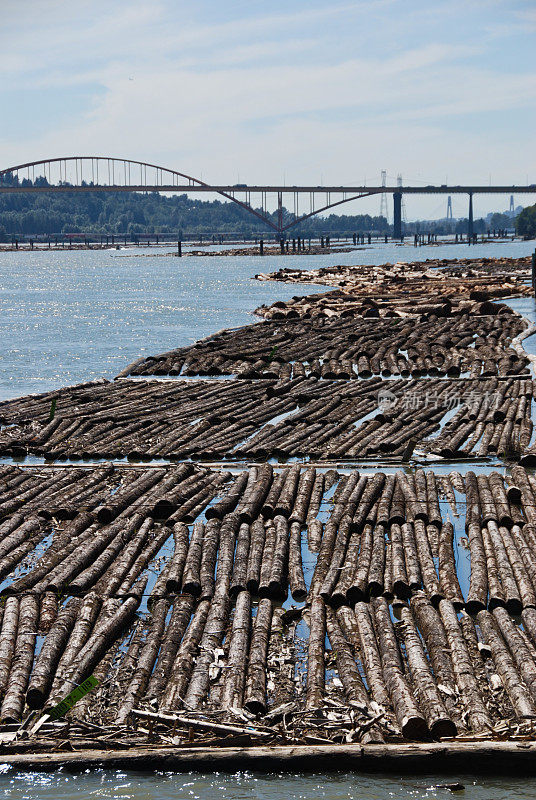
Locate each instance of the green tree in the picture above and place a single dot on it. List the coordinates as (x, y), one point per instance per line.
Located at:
(526, 222)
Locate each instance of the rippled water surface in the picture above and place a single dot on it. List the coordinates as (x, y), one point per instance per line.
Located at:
(71, 316)
(118, 785)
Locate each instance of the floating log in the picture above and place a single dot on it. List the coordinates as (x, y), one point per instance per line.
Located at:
(240, 567)
(315, 655)
(183, 607)
(255, 698)
(478, 580)
(146, 661)
(173, 694)
(53, 648)
(230, 500)
(21, 666)
(448, 578)
(181, 537)
(209, 557)
(235, 674)
(521, 700)
(410, 719)
(424, 686)
(475, 707)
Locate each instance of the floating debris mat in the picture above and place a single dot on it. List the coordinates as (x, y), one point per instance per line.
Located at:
(303, 418)
(446, 340)
(177, 614)
(401, 288)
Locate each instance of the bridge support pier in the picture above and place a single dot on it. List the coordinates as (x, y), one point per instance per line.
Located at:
(397, 218)
(470, 221)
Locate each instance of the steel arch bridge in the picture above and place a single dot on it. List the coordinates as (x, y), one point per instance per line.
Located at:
(107, 174)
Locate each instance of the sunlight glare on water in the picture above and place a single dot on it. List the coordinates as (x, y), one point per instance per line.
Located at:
(72, 316)
(119, 785)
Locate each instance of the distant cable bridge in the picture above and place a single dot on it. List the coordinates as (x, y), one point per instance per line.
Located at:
(102, 174)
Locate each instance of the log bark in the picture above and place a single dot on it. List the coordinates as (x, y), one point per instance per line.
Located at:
(520, 698)
(146, 661)
(315, 685)
(173, 695)
(448, 577)
(255, 700)
(235, 674)
(478, 581)
(209, 558)
(255, 555)
(298, 588)
(424, 686)
(411, 721)
(183, 608)
(51, 652)
(21, 666)
(475, 707)
(175, 571)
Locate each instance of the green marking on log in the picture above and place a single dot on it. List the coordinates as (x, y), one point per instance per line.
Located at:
(73, 697)
(52, 409)
(272, 353)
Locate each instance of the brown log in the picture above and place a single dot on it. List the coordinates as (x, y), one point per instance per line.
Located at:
(410, 719)
(191, 579)
(300, 510)
(507, 578)
(315, 685)
(413, 568)
(431, 628)
(211, 641)
(277, 585)
(354, 690)
(173, 695)
(230, 500)
(424, 686)
(8, 637)
(209, 557)
(377, 561)
(255, 699)
(315, 529)
(103, 637)
(475, 708)
(183, 607)
(448, 578)
(240, 567)
(51, 652)
(478, 581)
(400, 577)
(21, 666)
(175, 571)
(522, 654)
(358, 629)
(298, 588)
(520, 698)
(267, 558)
(48, 611)
(254, 561)
(235, 674)
(146, 661)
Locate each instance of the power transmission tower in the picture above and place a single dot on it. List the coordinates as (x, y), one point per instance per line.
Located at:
(383, 204)
(403, 207)
(449, 207)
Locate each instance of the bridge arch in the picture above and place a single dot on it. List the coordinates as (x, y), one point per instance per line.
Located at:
(103, 173)
(67, 173)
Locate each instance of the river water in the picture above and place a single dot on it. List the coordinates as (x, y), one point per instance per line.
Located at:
(68, 317)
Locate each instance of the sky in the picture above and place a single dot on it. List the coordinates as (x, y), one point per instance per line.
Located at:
(306, 92)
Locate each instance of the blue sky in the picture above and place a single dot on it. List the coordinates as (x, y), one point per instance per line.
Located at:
(269, 92)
